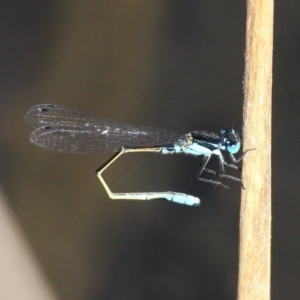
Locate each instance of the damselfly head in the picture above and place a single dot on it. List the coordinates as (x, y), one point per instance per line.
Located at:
(231, 140)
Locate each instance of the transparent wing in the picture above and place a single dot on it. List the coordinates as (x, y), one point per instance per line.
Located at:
(70, 131)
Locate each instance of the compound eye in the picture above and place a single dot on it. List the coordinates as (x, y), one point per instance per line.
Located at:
(227, 130)
(233, 147)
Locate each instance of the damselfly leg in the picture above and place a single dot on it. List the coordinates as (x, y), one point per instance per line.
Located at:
(222, 173)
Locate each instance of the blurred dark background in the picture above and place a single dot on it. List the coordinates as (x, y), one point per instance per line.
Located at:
(176, 65)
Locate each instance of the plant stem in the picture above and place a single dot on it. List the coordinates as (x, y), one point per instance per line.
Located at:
(255, 218)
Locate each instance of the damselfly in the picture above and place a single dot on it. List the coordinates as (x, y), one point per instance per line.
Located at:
(65, 130)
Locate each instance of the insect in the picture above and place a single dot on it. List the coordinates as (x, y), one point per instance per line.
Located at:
(66, 130)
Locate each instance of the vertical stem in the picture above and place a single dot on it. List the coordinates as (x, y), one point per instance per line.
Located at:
(255, 219)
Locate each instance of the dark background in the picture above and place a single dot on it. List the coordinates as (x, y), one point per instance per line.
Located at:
(177, 65)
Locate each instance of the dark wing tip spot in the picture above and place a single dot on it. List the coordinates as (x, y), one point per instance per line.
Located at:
(45, 109)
